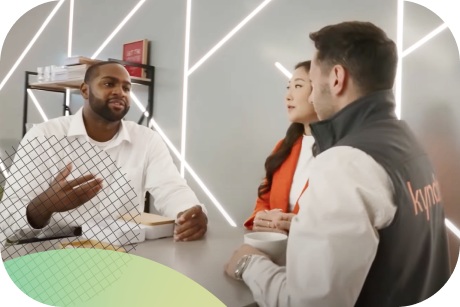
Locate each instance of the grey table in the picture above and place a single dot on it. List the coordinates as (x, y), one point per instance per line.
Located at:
(203, 261)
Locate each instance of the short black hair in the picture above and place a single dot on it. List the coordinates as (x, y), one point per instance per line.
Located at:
(363, 49)
(93, 70)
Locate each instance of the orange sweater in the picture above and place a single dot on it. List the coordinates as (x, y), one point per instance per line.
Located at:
(278, 196)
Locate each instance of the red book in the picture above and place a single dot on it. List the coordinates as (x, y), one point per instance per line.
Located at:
(136, 52)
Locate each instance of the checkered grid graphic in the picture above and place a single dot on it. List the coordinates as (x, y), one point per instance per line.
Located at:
(67, 277)
(35, 166)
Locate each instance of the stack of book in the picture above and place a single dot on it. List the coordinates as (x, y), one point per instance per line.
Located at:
(60, 73)
(136, 52)
(155, 226)
(76, 60)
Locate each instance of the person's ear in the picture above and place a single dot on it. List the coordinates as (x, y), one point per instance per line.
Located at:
(84, 90)
(338, 79)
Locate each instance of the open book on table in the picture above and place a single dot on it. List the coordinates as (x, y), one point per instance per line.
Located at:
(155, 226)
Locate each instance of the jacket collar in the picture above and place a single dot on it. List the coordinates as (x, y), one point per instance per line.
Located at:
(370, 108)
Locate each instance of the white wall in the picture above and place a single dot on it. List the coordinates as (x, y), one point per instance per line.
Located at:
(431, 77)
(235, 99)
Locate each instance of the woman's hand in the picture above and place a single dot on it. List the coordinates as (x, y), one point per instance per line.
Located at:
(282, 221)
(266, 220)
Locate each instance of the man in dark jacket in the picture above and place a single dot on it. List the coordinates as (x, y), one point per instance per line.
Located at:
(370, 230)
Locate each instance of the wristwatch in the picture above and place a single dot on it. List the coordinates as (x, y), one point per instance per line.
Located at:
(241, 265)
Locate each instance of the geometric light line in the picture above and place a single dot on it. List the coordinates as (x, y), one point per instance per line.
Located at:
(425, 39)
(117, 29)
(5, 173)
(283, 70)
(153, 124)
(228, 36)
(453, 228)
(399, 47)
(208, 193)
(31, 43)
(448, 223)
(67, 101)
(37, 105)
(185, 88)
(69, 45)
(139, 104)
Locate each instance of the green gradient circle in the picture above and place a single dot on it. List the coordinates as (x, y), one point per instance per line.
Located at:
(94, 277)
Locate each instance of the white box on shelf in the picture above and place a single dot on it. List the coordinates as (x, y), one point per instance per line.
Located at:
(76, 60)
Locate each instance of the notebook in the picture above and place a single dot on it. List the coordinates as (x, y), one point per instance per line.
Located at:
(155, 226)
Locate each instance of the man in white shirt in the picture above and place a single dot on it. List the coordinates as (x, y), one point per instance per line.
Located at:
(370, 229)
(74, 192)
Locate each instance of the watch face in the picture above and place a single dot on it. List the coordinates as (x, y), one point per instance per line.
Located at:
(238, 268)
(241, 265)
(240, 262)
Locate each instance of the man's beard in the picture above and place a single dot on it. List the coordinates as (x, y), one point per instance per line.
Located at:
(101, 108)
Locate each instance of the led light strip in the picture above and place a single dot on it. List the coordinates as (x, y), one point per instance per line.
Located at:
(69, 46)
(187, 72)
(228, 36)
(118, 28)
(69, 54)
(185, 88)
(278, 65)
(453, 228)
(139, 104)
(208, 193)
(31, 43)
(424, 40)
(69, 51)
(283, 69)
(37, 105)
(6, 174)
(153, 124)
(401, 55)
(67, 101)
(399, 46)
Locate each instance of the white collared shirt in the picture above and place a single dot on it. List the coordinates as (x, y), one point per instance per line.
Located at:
(302, 170)
(333, 239)
(136, 160)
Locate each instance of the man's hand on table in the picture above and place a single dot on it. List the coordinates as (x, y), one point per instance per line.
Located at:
(191, 224)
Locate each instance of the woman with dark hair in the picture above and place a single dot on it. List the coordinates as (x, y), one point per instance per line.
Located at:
(287, 167)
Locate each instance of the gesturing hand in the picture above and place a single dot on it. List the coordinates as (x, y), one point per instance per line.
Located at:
(191, 224)
(62, 195)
